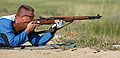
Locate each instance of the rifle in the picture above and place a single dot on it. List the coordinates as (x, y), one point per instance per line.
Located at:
(17, 27)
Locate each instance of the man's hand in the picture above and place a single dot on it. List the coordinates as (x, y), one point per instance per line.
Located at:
(30, 27)
(55, 27)
(59, 24)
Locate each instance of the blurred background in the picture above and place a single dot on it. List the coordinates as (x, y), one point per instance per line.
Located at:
(101, 33)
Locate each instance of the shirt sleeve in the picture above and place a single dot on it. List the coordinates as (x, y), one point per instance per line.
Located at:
(45, 38)
(6, 28)
(38, 40)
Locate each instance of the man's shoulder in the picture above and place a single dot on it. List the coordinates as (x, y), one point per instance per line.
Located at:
(5, 20)
(10, 17)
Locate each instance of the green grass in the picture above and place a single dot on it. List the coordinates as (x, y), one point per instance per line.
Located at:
(101, 33)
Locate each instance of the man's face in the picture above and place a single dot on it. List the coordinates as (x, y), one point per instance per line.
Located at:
(28, 17)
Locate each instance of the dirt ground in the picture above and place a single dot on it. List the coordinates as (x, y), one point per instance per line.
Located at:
(57, 53)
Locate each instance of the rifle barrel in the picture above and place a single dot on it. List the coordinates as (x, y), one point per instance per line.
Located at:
(78, 17)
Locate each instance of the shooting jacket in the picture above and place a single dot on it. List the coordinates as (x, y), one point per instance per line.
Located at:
(17, 40)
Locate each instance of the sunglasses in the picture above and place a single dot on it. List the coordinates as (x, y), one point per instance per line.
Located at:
(31, 17)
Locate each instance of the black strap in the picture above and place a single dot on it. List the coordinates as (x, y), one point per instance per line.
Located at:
(1, 45)
(5, 39)
(45, 31)
(52, 30)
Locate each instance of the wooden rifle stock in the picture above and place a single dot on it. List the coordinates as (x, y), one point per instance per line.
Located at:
(21, 26)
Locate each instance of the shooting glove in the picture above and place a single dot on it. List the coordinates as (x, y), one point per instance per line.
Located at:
(56, 26)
